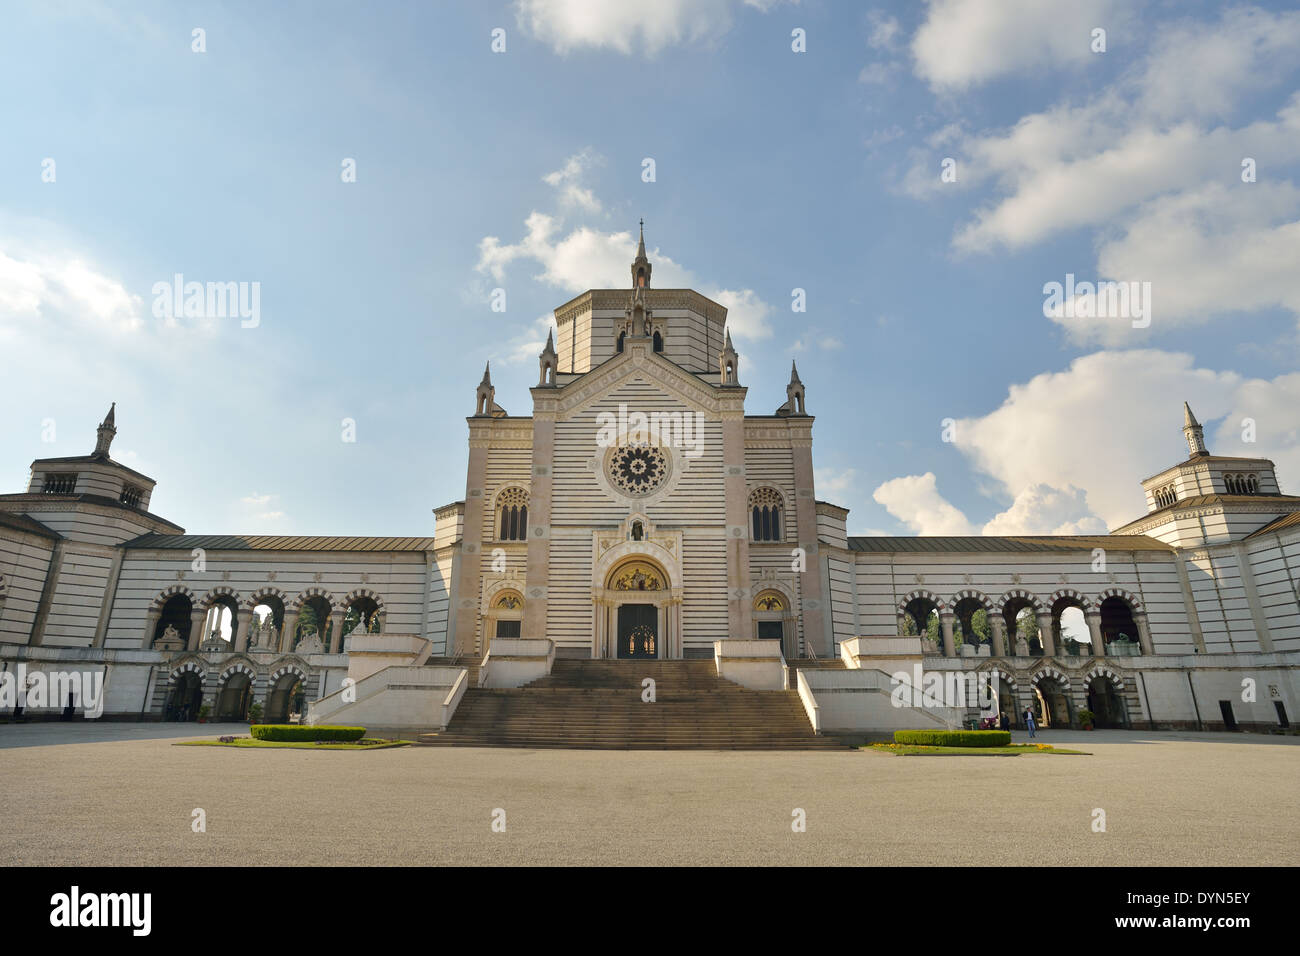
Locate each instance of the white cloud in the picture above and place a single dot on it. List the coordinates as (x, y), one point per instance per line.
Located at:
(747, 314)
(1041, 509)
(1106, 422)
(915, 501)
(623, 25)
(67, 290)
(1071, 448)
(587, 258)
(568, 180)
(885, 30)
(964, 42)
(832, 484)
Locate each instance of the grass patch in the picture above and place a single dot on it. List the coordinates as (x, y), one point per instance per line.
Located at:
(1011, 750)
(368, 743)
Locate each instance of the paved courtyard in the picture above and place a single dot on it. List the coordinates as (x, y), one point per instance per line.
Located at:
(123, 794)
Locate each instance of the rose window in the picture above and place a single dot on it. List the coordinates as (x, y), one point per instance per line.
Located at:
(637, 469)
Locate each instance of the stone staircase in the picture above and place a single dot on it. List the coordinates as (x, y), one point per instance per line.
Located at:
(810, 664)
(471, 664)
(597, 705)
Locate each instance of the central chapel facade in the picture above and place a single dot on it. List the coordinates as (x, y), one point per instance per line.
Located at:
(640, 512)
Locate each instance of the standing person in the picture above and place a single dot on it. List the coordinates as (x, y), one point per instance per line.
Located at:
(1029, 722)
(1004, 722)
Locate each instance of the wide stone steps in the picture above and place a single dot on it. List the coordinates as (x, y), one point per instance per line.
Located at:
(597, 705)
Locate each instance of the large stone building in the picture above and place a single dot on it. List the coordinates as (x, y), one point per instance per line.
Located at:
(640, 512)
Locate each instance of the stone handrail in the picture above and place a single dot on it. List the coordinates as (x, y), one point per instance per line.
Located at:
(809, 701)
(377, 683)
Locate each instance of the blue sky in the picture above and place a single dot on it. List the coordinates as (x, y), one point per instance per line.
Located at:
(775, 170)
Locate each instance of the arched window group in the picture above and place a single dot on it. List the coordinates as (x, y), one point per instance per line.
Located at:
(512, 515)
(1241, 484)
(765, 512)
(1166, 496)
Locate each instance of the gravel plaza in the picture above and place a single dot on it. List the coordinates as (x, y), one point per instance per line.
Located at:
(122, 794)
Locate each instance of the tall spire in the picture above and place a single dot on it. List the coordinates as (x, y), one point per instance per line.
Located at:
(1194, 434)
(548, 362)
(641, 267)
(487, 374)
(728, 363)
(794, 374)
(107, 429)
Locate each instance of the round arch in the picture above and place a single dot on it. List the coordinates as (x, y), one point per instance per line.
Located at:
(185, 691)
(1102, 690)
(176, 590)
(286, 690)
(1051, 689)
(637, 598)
(234, 691)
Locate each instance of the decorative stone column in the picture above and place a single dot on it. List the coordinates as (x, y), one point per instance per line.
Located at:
(1093, 616)
(740, 609)
(1144, 632)
(243, 619)
(999, 627)
(945, 625)
(465, 591)
(150, 625)
(383, 619)
(286, 632)
(336, 630)
(537, 567)
(198, 617)
(1045, 632)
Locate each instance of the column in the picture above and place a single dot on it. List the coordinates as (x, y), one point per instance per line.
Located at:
(814, 604)
(286, 632)
(537, 568)
(383, 619)
(740, 609)
(150, 625)
(999, 626)
(945, 625)
(1144, 633)
(198, 617)
(242, 621)
(465, 588)
(336, 630)
(1045, 632)
(1093, 616)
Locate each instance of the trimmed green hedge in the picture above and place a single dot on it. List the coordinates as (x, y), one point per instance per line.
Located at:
(954, 738)
(299, 732)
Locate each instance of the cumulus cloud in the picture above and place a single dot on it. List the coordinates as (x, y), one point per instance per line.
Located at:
(747, 314)
(915, 501)
(1151, 161)
(569, 178)
(37, 289)
(1042, 509)
(580, 257)
(568, 25)
(1071, 448)
(966, 42)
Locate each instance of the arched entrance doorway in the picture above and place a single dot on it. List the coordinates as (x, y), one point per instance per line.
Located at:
(638, 597)
(235, 697)
(1052, 704)
(186, 697)
(288, 695)
(1106, 704)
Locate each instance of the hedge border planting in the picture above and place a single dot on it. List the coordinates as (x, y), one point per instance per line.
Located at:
(953, 738)
(284, 732)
